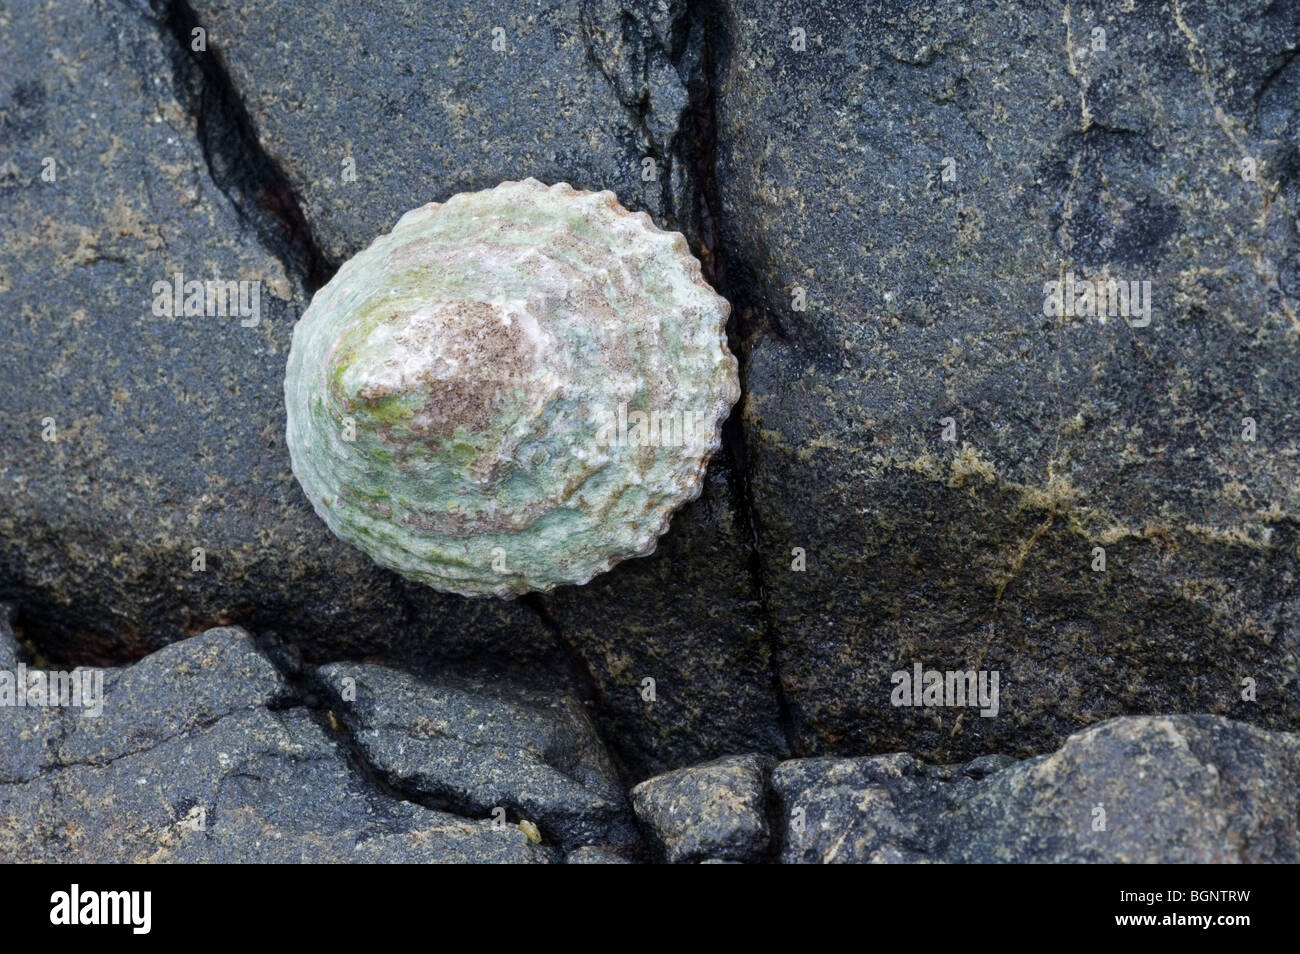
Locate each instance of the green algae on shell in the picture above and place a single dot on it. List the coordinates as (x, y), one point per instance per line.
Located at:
(510, 390)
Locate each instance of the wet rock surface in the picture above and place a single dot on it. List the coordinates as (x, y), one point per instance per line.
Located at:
(928, 464)
(716, 811)
(1173, 790)
(198, 154)
(137, 439)
(201, 754)
(477, 750)
(207, 751)
(595, 856)
(1101, 509)
(1177, 789)
(390, 105)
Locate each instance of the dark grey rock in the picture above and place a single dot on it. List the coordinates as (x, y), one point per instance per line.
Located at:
(204, 753)
(881, 809)
(28, 733)
(200, 758)
(585, 93)
(425, 104)
(591, 855)
(480, 748)
(1171, 790)
(181, 688)
(713, 811)
(10, 652)
(676, 645)
(169, 429)
(925, 301)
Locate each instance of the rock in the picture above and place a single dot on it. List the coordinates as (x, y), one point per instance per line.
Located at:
(583, 93)
(26, 745)
(206, 752)
(214, 765)
(1148, 790)
(675, 645)
(715, 811)
(886, 298)
(591, 855)
(881, 809)
(1143, 789)
(388, 108)
(167, 432)
(891, 306)
(177, 690)
(477, 749)
(10, 652)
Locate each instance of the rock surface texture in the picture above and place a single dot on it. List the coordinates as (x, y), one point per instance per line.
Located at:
(209, 750)
(713, 811)
(1102, 509)
(203, 754)
(935, 460)
(158, 499)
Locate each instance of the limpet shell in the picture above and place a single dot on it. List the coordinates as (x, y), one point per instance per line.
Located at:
(510, 390)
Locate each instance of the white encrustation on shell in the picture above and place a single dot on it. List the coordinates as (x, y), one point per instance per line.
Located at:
(510, 390)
